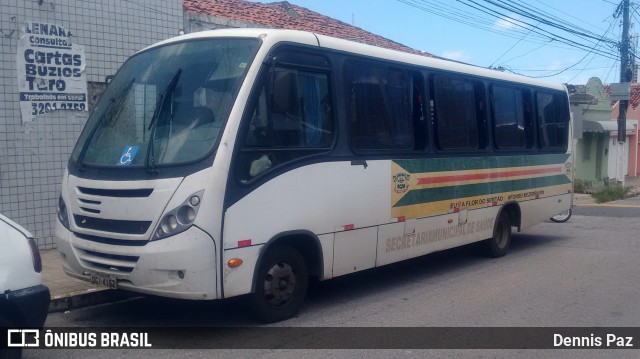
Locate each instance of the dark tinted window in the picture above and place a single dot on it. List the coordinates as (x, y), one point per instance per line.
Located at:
(511, 117)
(299, 113)
(291, 117)
(381, 111)
(456, 107)
(552, 120)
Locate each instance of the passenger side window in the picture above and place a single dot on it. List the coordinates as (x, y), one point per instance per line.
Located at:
(291, 118)
(384, 108)
(511, 118)
(457, 109)
(553, 121)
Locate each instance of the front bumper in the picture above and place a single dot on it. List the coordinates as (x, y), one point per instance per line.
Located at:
(182, 266)
(30, 306)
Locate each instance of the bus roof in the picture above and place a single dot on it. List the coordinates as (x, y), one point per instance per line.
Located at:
(272, 36)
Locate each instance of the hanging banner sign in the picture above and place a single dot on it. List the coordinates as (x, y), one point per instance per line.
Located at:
(51, 71)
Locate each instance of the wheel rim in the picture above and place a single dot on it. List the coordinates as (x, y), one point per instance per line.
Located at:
(501, 234)
(279, 284)
(561, 216)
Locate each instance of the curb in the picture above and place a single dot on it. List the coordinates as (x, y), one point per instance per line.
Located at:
(88, 298)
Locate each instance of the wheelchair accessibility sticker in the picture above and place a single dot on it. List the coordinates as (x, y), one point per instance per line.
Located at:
(128, 155)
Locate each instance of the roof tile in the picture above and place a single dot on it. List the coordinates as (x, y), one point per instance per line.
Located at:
(634, 101)
(284, 15)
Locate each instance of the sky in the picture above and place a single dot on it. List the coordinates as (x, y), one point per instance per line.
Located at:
(506, 40)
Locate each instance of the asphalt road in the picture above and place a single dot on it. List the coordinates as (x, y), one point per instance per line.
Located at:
(583, 273)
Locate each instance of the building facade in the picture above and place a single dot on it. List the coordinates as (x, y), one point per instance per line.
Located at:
(599, 158)
(81, 42)
(48, 47)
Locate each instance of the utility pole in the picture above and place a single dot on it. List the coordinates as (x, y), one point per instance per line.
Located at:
(625, 77)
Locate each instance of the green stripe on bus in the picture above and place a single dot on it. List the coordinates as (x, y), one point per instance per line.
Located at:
(479, 189)
(476, 163)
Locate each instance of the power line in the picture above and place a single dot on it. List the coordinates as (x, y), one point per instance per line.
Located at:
(527, 22)
(486, 21)
(606, 78)
(533, 9)
(563, 70)
(512, 46)
(593, 57)
(472, 19)
(582, 70)
(528, 52)
(531, 32)
(567, 14)
(520, 23)
(456, 14)
(547, 70)
(523, 9)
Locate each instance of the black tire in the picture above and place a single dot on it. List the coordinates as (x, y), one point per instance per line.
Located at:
(281, 284)
(561, 217)
(6, 353)
(498, 245)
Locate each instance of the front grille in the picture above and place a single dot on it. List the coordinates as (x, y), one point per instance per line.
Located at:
(90, 210)
(111, 241)
(106, 261)
(122, 193)
(112, 225)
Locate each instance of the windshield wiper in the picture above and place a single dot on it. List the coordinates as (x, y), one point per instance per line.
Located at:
(114, 109)
(150, 161)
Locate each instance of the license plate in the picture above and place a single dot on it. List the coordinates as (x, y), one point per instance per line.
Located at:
(104, 280)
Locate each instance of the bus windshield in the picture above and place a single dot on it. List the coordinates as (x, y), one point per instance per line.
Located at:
(166, 106)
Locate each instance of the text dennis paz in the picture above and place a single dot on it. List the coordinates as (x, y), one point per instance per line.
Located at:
(592, 341)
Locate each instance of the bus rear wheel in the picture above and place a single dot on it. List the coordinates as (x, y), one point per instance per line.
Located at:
(561, 217)
(498, 245)
(281, 284)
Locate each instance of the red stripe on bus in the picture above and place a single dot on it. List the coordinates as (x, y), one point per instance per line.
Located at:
(491, 175)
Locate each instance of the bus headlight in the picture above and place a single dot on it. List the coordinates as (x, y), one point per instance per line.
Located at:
(61, 211)
(180, 218)
(186, 214)
(169, 224)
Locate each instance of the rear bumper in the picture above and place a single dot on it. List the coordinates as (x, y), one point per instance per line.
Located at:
(31, 306)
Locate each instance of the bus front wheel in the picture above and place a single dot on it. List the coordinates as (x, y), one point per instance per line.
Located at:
(498, 245)
(281, 284)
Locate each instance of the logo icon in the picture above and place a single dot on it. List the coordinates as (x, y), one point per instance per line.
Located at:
(20, 338)
(128, 155)
(401, 182)
(568, 167)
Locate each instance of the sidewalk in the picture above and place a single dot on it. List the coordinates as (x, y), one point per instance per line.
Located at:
(586, 199)
(69, 293)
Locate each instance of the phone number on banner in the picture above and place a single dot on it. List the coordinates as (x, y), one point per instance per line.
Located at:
(40, 108)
